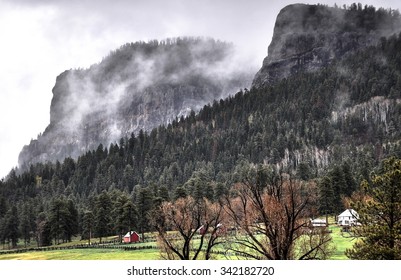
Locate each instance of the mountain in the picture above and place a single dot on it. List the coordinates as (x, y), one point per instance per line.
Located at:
(346, 96)
(137, 87)
(305, 110)
(310, 37)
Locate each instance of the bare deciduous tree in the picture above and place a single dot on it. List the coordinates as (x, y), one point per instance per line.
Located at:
(188, 229)
(272, 213)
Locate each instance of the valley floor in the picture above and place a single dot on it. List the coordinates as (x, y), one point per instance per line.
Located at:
(138, 251)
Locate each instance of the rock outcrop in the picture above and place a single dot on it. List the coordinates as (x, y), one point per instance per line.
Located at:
(309, 37)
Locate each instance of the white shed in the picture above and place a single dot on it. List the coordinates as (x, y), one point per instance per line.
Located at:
(318, 223)
(348, 218)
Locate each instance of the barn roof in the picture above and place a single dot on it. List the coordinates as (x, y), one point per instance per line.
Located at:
(130, 233)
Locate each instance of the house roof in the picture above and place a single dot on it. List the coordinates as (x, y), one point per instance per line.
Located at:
(349, 213)
(130, 233)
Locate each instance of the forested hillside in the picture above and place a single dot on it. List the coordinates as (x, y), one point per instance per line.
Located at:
(331, 127)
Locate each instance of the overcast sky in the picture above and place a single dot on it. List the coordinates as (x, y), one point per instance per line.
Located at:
(39, 39)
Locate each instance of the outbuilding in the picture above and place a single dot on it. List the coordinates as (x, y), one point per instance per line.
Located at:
(318, 223)
(132, 236)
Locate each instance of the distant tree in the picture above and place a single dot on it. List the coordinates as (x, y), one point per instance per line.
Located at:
(27, 223)
(10, 226)
(379, 212)
(349, 179)
(128, 177)
(337, 184)
(303, 171)
(88, 225)
(3, 204)
(164, 193)
(111, 175)
(103, 208)
(220, 191)
(326, 196)
(124, 214)
(197, 184)
(144, 205)
(180, 192)
(73, 220)
(63, 218)
(43, 230)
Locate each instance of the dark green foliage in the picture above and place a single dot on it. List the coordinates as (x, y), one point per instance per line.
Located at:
(338, 183)
(88, 223)
(63, 218)
(43, 230)
(124, 214)
(144, 204)
(9, 227)
(27, 224)
(380, 215)
(3, 204)
(180, 192)
(102, 210)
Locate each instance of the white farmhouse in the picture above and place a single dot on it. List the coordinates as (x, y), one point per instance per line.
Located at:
(348, 218)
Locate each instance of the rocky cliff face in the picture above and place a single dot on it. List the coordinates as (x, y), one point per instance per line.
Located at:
(309, 37)
(137, 87)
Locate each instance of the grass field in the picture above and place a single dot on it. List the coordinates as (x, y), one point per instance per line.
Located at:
(85, 254)
(342, 241)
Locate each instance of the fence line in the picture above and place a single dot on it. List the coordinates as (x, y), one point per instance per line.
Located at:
(109, 245)
(79, 246)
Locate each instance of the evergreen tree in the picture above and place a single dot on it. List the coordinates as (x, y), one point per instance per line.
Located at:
(27, 223)
(59, 220)
(180, 192)
(10, 227)
(88, 225)
(380, 215)
(124, 213)
(72, 220)
(326, 196)
(144, 204)
(349, 179)
(43, 230)
(164, 193)
(3, 204)
(103, 208)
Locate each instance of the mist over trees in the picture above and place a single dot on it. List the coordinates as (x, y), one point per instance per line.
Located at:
(137, 87)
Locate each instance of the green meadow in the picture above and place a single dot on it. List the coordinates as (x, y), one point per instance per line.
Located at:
(85, 254)
(341, 241)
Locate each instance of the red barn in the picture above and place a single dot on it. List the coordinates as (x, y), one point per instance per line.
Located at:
(131, 236)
